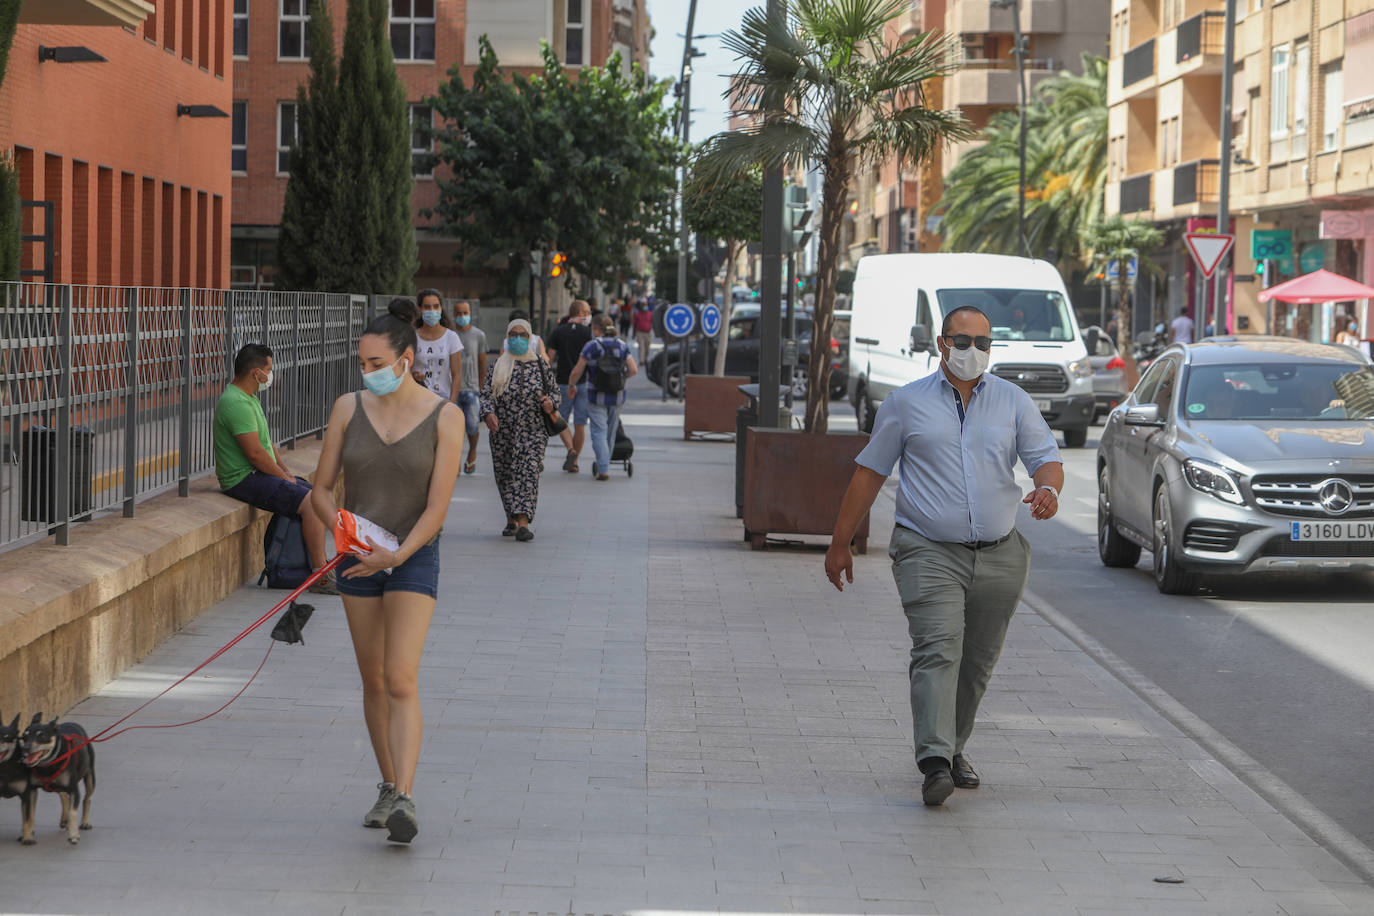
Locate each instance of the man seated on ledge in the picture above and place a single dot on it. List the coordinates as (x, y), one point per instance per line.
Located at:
(249, 467)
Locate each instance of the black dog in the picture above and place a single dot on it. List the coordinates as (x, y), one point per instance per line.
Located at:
(45, 747)
(14, 776)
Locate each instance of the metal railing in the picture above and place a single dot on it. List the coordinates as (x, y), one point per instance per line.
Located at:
(107, 394)
(1135, 194)
(1202, 34)
(1138, 63)
(1196, 181)
(1006, 63)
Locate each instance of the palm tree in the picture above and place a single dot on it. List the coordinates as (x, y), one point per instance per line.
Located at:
(980, 199)
(1116, 239)
(823, 85)
(1076, 143)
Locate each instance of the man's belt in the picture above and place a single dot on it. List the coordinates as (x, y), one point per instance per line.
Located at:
(984, 545)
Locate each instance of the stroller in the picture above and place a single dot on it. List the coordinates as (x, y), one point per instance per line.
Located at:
(624, 449)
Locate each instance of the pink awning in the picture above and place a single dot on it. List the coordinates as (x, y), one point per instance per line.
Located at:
(1318, 286)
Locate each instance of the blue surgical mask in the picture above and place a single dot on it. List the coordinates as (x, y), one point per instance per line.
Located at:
(464, 320)
(518, 345)
(431, 318)
(383, 381)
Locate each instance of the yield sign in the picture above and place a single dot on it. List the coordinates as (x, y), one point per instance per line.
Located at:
(1208, 248)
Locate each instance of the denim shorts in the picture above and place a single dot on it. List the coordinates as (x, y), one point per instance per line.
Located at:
(272, 494)
(469, 404)
(578, 415)
(419, 574)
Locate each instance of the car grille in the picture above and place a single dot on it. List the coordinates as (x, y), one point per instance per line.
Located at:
(1217, 537)
(1033, 378)
(1299, 494)
(1280, 546)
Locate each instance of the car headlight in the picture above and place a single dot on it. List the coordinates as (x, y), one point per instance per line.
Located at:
(1213, 480)
(1081, 368)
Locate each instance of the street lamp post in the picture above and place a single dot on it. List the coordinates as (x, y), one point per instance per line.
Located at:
(1020, 52)
(685, 123)
(1228, 53)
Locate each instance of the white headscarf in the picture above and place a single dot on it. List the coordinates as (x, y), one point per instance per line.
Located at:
(505, 363)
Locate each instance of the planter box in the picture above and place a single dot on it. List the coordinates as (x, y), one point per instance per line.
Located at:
(712, 403)
(794, 483)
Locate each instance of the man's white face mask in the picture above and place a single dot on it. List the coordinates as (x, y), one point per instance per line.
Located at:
(967, 364)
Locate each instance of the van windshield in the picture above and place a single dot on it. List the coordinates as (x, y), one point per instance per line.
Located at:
(1016, 314)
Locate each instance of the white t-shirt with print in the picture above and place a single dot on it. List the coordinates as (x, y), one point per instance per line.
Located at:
(433, 357)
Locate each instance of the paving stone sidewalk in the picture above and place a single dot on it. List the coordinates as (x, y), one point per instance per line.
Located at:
(637, 713)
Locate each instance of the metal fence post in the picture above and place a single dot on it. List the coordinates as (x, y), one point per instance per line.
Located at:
(325, 302)
(294, 389)
(131, 401)
(62, 476)
(187, 388)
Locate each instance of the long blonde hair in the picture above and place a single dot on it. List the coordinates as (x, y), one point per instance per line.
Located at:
(505, 363)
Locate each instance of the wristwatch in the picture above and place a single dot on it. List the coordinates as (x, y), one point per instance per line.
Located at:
(1045, 486)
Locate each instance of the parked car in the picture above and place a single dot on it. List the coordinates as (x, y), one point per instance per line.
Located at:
(742, 354)
(898, 309)
(1109, 371)
(1240, 454)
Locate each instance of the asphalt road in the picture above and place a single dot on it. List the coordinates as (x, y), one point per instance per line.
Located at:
(1281, 666)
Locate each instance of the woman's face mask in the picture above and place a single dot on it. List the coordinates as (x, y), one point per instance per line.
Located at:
(431, 318)
(383, 381)
(518, 345)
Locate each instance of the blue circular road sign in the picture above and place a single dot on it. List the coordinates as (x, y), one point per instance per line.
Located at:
(710, 320)
(679, 319)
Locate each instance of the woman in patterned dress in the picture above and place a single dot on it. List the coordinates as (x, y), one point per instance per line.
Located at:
(518, 387)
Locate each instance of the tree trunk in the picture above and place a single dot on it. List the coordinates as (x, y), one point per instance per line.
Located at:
(833, 193)
(727, 307)
(1125, 338)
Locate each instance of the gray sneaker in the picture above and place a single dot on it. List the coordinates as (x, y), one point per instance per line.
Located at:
(401, 821)
(328, 585)
(386, 798)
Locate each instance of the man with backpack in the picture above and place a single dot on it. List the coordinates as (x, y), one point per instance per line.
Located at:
(566, 342)
(250, 468)
(608, 364)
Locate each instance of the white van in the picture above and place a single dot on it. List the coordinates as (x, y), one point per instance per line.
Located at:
(900, 301)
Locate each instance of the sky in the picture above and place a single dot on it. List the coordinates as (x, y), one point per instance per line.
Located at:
(710, 74)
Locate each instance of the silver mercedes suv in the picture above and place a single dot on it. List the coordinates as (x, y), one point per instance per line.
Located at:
(1239, 454)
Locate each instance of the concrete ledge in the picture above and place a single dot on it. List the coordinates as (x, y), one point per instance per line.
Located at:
(72, 618)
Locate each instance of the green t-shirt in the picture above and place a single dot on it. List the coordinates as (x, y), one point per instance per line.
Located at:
(237, 413)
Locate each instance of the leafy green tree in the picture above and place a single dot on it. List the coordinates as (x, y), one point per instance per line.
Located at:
(10, 231)
(377, 250)
(730, 211)
(825, 85)
(1118, 239)
(312, 228)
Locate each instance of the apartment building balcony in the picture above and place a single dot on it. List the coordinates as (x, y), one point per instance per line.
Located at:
(1196, 182)
(130, 13)
(1135, 194)
(909, 21)
(1138, 65)
(1194, 48)
(1037, 16)
(992, 82)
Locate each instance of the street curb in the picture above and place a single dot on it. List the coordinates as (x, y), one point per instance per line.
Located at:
(1332, 836)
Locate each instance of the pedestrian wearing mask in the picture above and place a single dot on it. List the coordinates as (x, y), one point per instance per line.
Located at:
(567, 341)
(607, 363)
(537, 343)
(440, 357)
(398, 446)
(518, 390)
(1349, 333)
(474, 371)
(958, 560)
(643, 320)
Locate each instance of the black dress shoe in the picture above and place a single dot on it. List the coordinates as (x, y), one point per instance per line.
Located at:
(509, 530)
(937, 787)
(963, 775)
(524, 534)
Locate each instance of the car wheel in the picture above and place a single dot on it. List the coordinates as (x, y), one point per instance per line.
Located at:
(672, 380)
(863, 411)
(1115, 550)
(1075, 438)
(799, 382)
(1170, 577)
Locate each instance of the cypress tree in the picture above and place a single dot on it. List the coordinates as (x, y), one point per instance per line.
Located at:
(379, 253)
(307, 248)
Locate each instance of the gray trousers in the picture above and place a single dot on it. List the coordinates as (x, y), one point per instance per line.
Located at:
(958, 603)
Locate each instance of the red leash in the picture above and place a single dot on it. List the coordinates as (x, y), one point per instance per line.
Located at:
(105, 733)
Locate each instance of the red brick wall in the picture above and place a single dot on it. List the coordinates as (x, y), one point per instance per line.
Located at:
(76, 126)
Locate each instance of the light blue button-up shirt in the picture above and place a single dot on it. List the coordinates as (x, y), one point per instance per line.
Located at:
(958, 479)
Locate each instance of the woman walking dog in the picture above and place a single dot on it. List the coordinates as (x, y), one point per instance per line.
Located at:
(399, 447)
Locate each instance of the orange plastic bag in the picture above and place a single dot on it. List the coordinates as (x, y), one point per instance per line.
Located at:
(352, 531)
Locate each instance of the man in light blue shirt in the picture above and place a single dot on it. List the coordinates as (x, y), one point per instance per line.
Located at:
(959, 562)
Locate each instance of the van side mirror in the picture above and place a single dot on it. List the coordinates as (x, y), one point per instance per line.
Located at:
(921, 341)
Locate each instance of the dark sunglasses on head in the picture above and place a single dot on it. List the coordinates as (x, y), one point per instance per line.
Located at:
(964, 341)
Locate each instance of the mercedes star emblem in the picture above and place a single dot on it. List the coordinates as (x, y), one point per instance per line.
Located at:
(1336, 496)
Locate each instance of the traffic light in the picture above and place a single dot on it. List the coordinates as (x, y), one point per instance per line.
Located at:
(559, 260)
(796, 213)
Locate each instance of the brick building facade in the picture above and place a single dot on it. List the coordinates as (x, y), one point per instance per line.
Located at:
(125, 209)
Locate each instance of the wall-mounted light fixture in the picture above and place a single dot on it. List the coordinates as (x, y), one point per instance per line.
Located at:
(201, 111)
(70, 54)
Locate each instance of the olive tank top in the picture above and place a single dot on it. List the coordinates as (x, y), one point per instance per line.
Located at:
(388, 484)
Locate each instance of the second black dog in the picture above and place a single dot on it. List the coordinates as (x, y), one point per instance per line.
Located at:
(45, 746)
